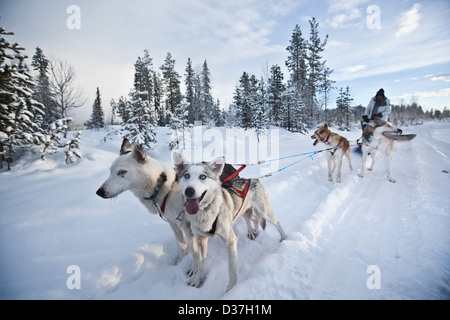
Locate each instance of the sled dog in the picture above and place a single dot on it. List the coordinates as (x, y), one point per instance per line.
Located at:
(211, 210)
(381, 137)
(152, 182)
(338, 148)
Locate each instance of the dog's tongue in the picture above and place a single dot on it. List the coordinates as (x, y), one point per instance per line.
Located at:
(315, 142)
(192, 206)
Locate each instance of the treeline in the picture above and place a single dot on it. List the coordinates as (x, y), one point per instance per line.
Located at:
(296, 105)
(34, 111)
(156, 100)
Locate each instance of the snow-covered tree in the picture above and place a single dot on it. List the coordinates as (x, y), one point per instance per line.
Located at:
(42, 92)
(179, 124)
(315, 69)
(97, 116)
(275, 92)
(206, 100)
(171, 81)
(73, 150)
(139, 129)
(190, 86)
(296, 62)
(343, 103)
(18, 110)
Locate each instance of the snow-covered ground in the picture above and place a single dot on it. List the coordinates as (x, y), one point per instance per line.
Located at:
(359, 239)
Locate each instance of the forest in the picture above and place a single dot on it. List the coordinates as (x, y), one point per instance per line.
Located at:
(36, 101)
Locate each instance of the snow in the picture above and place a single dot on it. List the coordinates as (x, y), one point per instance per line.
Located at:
(363, 238)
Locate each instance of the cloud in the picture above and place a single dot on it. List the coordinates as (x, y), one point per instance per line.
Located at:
(343, 20)
(354, 69)
(339, 5)
(426, 94)
(408, 21)
(344, 13)
(439, 77)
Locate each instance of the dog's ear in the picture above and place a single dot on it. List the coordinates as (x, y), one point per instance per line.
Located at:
(179, 161)
(325, 126)
(217, 165)
(139, 155)
(126, 147)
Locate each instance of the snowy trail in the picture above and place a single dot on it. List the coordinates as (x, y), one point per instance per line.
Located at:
(51, 218)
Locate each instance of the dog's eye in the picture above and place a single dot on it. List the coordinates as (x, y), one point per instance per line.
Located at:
(187, 176)
(122, 173)
(202, 177)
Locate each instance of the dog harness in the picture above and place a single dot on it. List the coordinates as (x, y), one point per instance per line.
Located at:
(242, 193)
(160, 209)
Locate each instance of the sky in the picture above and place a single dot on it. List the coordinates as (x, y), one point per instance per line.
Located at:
(400, 46)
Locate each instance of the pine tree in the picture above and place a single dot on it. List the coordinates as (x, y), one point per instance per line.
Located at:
(42, 92)
(190, 83)
(97, 117)
(73, 150)
(171, 80)
(343, 103)
(17, 108)
(275, 92)
(261, 109)
(179, 123)
(139, 129)
(296, 62)
(325, 88)
(315, 68)
(158, 92)
(206, 100)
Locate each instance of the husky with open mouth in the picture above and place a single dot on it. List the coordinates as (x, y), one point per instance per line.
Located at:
(211, 210)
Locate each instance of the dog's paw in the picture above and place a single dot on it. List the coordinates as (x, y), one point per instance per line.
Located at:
(253, 234)
(361, 175)
(192, 270)
(195, 282)
(392, 180)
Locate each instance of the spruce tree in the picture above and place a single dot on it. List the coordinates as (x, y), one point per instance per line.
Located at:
(315, 68)
(171, 80)
(207, 104)
(275, 92)
(42, 92)
(296, 62)
(190, 83)
(97, 117)
(18, 110)
(139, 129)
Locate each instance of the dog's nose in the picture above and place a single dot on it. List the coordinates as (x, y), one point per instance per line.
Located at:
(189, 192)
(101, 192)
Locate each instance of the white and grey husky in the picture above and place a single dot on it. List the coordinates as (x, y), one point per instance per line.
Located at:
(211, 210)
(152, 182)
(381, 137)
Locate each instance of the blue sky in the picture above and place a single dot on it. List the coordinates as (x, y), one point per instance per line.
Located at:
(401, 46)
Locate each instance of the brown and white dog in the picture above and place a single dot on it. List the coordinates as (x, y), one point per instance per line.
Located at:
(338, 148)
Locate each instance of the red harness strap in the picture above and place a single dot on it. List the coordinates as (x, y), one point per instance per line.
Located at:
(234, 174)
(328, 137)
(243, 193)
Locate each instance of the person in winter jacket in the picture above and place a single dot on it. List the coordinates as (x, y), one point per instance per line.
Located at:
(379, 106)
